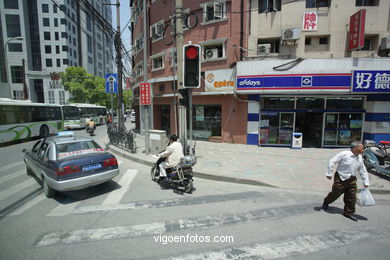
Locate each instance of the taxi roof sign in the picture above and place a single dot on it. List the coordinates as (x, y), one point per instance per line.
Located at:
(66, 133)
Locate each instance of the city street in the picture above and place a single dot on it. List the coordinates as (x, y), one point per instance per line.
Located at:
(131, 217)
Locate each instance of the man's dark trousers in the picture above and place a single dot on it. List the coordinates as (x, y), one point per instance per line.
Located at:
(348, 188)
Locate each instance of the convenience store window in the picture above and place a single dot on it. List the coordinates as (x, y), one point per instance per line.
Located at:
(206, 120)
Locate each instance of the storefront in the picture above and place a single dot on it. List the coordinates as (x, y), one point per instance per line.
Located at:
(330, 109)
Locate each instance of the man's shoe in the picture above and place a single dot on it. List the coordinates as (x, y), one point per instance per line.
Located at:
(325, 206)
(351, 217)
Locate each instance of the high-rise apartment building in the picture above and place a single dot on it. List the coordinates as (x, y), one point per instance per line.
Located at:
(39, 39)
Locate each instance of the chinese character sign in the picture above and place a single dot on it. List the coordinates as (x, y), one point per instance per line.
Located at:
(144, 94)
(310, 21)
(371, 81)
(356, 30)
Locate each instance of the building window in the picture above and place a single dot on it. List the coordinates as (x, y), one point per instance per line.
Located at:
(214, 11)
(266, 6)
(61, 95)
(45, 8)
(49, 63)
(89, 43)
(65, 61)
(56, 36)
(11, 4)
(13, 25)
(15, 47)
(64, 35)
(17, 74)
(317, 3)
(18, 94)
(156, 31)
(139, 43)
(74, 29)
(265, 46)
(367, 3)
(55, 9)
(207, 120)
(52, 100)
(370, 43)
(90, 61)
(75, 54)
(138, 9)
(63, 21)
(55, 22)
(46, 36)
(74, 41)
(57, 49)
(317, 43)
(214, 50)
(64, 48)
(158, 61)
(46, 22)
(89, 22)
(47, 49)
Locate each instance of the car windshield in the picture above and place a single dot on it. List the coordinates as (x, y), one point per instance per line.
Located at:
(77, 148)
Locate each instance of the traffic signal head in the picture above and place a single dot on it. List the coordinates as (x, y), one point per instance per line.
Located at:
(191, 69)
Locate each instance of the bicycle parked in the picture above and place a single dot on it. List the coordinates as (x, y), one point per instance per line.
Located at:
(123, 138)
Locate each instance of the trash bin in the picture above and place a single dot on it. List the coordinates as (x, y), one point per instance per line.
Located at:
(157, 141)
(296, 141)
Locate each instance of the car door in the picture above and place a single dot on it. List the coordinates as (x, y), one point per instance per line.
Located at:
(40, 163)
(31, 157)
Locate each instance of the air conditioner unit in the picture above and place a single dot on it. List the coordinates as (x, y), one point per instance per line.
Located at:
(211, 54)
(385, 45)
(263, 49)
(290, 34)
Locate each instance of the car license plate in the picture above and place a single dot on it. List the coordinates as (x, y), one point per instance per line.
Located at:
(92, 167)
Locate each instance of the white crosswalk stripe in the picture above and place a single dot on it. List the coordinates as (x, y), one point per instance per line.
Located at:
(115, 196)
(63, 209)
(13, 175)
(10, 166)
(17, 188)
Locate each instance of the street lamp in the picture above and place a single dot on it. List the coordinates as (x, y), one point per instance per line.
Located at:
(8, 75)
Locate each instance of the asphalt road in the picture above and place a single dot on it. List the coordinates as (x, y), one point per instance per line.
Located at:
(132, 217)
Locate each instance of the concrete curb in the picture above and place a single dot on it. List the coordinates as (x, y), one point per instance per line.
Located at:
(208, 176)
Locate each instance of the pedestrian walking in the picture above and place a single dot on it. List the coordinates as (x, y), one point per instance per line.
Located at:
(349, 163)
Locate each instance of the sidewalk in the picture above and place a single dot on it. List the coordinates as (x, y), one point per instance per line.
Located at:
(301, 169)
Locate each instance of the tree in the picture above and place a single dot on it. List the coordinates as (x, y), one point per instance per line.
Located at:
(84, 87)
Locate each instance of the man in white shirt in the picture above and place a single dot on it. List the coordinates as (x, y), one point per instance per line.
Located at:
(349, 163)
(173, 154)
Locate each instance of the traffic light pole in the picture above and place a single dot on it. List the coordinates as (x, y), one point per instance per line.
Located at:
(147, 112)
(179, 50)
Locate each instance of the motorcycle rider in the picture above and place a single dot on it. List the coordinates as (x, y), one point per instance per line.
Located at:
(172, 156)
(91, 124)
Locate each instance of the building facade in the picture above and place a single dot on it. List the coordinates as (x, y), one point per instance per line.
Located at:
(40, 39)
(271, 68)
(302, 76)
(219, 27)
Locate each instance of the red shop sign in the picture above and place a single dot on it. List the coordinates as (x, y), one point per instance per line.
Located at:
(145, 94)
(356, 30)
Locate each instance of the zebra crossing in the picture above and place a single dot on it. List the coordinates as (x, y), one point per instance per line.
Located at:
(113, 202)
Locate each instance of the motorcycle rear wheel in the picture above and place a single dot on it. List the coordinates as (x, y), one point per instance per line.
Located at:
(188, 186)
(153, 173)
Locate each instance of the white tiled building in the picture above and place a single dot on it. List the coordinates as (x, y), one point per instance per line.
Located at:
(50, 35)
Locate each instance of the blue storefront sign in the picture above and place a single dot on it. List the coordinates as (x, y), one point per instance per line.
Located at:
(295, 82)
(371, 81)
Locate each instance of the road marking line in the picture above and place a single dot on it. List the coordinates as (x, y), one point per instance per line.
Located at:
(28, 205)
(115, 196)
(15, 189)
(289, 247)
(12, 175)
(87, 235)
(63, 209)
(10, 166)
(190, 201)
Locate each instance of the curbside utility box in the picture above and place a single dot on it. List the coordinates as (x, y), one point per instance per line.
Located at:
(296, 141)
(157, 141)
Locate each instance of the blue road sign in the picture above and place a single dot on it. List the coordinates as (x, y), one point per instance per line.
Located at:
(111, 83)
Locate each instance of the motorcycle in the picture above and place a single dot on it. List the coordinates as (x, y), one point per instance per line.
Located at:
(180, 177)
(90, 131)
(377, 156)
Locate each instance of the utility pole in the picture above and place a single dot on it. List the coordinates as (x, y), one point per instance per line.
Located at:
(179, 50)
(145, 66)
(118, 48)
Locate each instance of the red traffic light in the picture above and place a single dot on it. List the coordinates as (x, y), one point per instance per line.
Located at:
(191, 52)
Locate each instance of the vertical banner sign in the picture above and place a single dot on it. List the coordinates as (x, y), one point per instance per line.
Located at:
(356, 30)
(145, 94)
(310, 21)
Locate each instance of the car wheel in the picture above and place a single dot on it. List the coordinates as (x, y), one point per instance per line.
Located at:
(44, 131)
(28, 171)
(49, 192)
